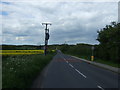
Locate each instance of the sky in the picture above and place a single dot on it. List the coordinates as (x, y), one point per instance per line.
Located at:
(72, 21)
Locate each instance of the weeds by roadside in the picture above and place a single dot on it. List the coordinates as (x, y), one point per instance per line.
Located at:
(19, 71)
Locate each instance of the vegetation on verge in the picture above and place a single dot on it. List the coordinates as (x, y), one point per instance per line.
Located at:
(109, 38)
(19, 71)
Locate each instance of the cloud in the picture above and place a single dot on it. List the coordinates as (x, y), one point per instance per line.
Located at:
(75, 22)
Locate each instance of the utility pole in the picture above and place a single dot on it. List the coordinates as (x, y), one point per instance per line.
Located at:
(46, 36)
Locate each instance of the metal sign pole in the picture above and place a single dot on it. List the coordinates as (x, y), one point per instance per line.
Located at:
(92, 57)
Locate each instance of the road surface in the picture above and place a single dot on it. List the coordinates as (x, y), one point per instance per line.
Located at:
(68, 72)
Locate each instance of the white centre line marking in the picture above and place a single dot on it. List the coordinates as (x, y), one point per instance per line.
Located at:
(66, 61)
(80, 73)
(71, 65)
(75, 69)
(100, 87)
(63, 58)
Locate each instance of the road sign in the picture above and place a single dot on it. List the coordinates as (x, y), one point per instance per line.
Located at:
(93, 48)
(92, 58)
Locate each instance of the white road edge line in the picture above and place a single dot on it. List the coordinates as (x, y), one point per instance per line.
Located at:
(80, 73)
(71, 65)
(100, 87)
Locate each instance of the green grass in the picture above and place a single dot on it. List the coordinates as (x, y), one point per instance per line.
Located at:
(110, 63)
(19, 71)
(113, 64)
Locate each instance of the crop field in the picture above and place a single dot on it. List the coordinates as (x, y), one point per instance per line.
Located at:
(18, 52)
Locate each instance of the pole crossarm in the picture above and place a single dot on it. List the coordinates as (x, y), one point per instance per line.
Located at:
(46, 24)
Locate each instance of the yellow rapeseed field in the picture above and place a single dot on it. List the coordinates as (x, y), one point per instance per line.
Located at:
(14, 52)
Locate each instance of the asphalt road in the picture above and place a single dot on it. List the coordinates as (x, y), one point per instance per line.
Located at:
(67, 72)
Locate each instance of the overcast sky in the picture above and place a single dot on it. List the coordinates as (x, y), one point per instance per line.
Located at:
(73, 22)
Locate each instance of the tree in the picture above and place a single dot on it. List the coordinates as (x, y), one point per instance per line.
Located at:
(109, 38)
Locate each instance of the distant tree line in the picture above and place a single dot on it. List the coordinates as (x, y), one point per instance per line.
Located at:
(21, 47)
(79, 49)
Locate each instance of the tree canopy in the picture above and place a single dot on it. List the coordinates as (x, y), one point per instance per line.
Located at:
(109, 38)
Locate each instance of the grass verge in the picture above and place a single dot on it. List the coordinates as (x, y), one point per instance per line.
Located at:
(110, 63)
(19, 71)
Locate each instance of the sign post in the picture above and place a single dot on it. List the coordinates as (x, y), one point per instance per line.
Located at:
(92, 57)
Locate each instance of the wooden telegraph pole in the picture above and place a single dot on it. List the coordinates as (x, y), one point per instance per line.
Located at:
(46, 36)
